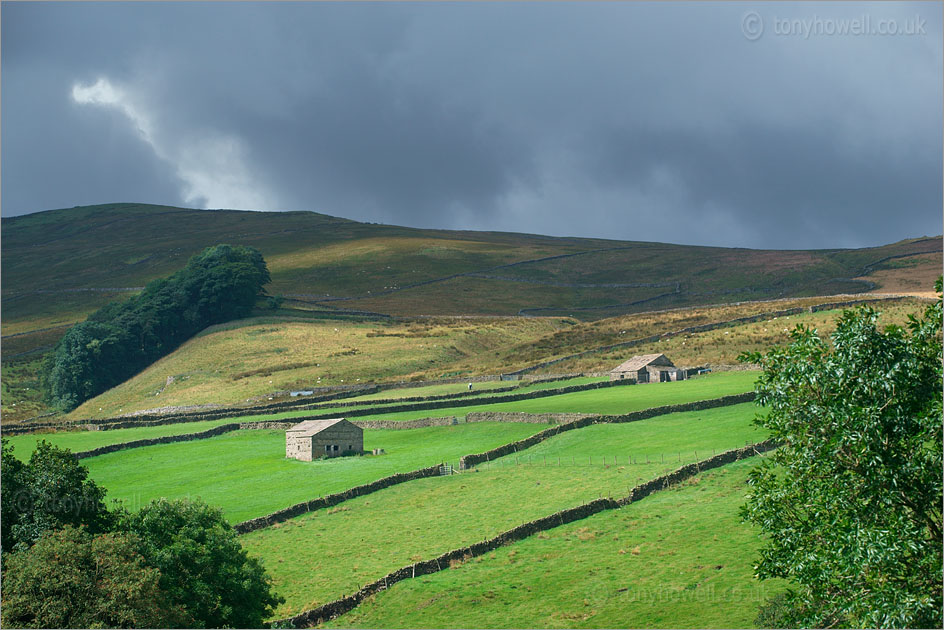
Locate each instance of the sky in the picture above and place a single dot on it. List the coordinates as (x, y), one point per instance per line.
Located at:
(767, 125)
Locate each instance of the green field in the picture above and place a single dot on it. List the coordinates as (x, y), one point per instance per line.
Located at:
(612, 401)
(680, 558)
(247, 475)
(354, 543)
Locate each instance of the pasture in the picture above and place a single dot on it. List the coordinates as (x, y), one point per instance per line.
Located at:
(245, 473)
(354, 542)
(680, 558)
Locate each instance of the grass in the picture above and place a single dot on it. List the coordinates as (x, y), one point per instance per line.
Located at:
(362, 539)
(246, 474)
(680, 558)
(234, 365)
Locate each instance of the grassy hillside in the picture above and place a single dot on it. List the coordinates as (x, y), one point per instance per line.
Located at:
(353, 543)
(60, 265)
(680, 558)
(252, 359)
(236, 364)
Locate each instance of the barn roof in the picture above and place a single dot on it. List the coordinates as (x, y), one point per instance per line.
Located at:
(311, 427)
(638, 362)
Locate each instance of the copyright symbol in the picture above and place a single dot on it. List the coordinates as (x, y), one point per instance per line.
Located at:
(22, 501)
(752, 25)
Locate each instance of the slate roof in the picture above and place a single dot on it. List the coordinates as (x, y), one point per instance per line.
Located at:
(311, 427)
(638, 362)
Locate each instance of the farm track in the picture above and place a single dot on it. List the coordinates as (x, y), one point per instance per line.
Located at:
(332, 610)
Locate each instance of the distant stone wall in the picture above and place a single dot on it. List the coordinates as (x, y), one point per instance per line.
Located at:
(468, 461)
(706, 327)
(338, 607)
(520, 416)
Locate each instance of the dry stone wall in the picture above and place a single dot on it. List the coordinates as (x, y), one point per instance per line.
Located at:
(520, 416)
(338, 607)
(420, 423)
(168, 439)
(332, 499)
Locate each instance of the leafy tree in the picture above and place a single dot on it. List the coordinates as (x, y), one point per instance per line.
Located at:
(11, 502)
(49, 492)
(70, 579)
(203, 567)
(852, 499)
(219, 284)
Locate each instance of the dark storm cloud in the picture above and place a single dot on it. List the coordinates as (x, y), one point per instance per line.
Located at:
(634, 121)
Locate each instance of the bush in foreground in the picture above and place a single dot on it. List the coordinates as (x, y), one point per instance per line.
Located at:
(70, 579)
(203, 567)
(852, 499)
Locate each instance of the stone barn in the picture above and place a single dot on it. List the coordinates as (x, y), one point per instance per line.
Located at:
(323, 438)
(648, 368)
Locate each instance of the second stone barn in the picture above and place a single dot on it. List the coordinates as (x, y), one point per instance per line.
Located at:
(312, 439)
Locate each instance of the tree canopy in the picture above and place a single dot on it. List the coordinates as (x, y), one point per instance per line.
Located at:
(50, 491)
(217, 285)
(203, 567)
(851, 501)
(71, 579)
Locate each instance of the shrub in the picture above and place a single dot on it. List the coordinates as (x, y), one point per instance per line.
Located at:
(204, 569)
(70, 579)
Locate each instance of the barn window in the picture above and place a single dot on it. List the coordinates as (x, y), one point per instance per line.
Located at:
(335, 448)
(327, 448)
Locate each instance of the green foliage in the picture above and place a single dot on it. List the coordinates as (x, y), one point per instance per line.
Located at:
(217, 285)
(70, 579)
(203, 567)
(50, 491)
(852, 499)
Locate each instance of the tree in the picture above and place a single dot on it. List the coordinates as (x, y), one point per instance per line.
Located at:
(851, 501)
(221, 283)
(70, 579)
(203, 567)
(50, 491)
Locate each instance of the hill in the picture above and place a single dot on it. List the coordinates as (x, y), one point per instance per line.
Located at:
(59, 265)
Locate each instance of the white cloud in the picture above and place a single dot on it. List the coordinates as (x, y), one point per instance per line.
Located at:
(213, 167)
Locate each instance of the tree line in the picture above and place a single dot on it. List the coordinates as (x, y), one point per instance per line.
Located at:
(219, 284)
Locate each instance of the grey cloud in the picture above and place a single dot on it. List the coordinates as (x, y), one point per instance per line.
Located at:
(636, 121)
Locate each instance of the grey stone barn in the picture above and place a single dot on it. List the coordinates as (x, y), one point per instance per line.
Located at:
(648, 368)
(323, 438)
